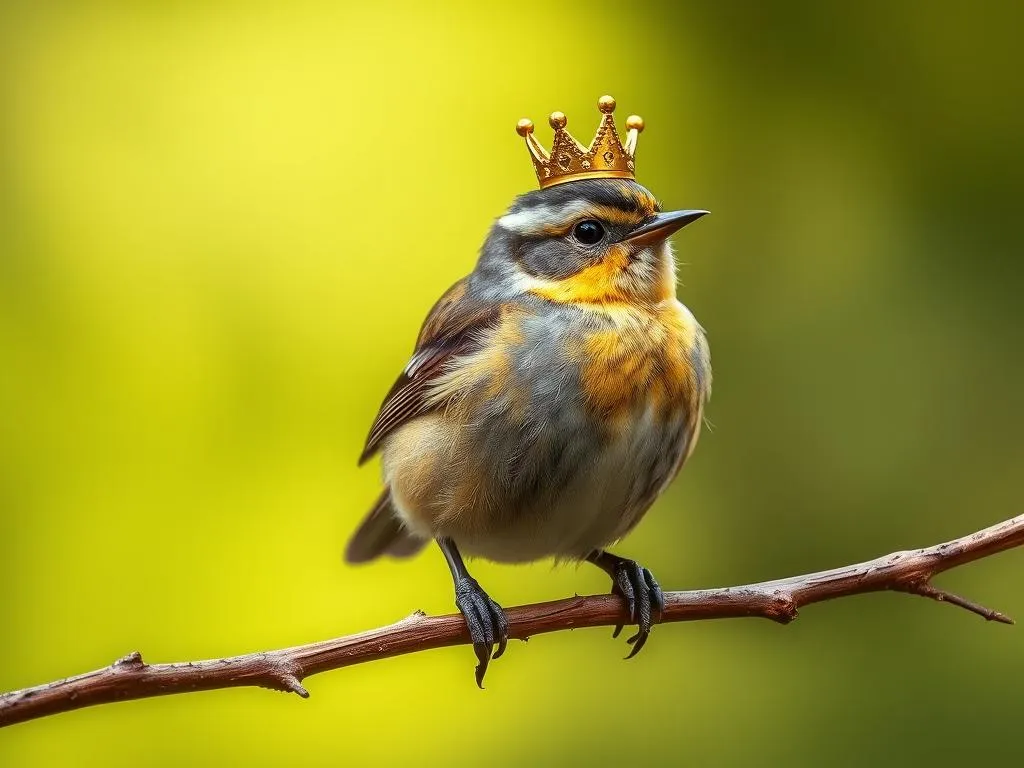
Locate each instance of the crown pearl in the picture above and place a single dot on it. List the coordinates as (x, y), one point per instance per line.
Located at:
(606, 104)
(524, 127)
(557, 120)
(635, 123)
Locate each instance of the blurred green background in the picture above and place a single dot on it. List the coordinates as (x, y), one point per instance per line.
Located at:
(221, 225)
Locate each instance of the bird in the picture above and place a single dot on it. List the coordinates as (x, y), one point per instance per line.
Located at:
(553, 393)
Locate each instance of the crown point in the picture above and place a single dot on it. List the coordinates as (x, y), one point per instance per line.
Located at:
(635, 123)
(606, 104)
(557, 120)
(524, 127)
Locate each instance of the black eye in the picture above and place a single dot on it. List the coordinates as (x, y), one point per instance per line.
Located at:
(588, 232)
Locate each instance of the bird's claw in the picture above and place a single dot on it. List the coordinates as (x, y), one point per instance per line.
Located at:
(486, 622)
(645, 602)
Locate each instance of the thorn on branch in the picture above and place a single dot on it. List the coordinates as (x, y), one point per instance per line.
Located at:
(284, 676)
(292, 685)
(133, 659)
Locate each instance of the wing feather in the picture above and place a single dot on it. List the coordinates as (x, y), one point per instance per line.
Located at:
(452, 328)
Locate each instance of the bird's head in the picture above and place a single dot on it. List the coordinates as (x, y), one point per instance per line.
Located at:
(589, 241)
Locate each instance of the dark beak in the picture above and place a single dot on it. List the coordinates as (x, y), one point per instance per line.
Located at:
(661, 226)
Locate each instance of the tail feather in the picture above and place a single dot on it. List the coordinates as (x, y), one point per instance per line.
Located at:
(382, 533)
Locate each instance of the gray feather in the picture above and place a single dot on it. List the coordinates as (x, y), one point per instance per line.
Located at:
(382, 533)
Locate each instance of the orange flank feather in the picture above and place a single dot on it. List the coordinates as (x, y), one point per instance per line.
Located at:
(645, 360)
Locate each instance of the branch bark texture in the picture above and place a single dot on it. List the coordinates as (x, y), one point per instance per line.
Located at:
(285, 669)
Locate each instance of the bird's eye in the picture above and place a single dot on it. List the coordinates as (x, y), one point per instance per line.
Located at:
(588, 232)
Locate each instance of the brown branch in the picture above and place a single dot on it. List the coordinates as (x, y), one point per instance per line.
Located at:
(285, 669)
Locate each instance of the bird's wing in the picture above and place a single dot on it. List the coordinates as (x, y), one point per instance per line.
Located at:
(452, 328)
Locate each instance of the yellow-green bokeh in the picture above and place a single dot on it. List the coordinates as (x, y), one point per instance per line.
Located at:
(220, 226)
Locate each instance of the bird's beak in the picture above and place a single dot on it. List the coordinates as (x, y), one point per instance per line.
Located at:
(661, 226)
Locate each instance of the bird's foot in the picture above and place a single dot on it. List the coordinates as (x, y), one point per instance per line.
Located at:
(486, 622)
(645, 602)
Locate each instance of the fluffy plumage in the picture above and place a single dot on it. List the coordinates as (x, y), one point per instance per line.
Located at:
(553, 393)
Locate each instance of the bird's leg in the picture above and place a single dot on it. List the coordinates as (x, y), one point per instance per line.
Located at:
(634, 584)
(484, 617)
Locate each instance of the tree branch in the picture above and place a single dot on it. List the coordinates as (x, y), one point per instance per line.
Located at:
(285, 669)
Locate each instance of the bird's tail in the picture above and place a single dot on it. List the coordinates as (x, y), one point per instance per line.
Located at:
(382, 533)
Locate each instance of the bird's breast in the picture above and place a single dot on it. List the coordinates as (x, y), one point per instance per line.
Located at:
(599, 365)
(643, 360)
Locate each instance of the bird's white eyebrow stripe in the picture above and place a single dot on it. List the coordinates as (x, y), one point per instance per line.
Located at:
(534, 221)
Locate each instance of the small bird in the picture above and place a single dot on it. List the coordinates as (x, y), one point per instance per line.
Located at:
(553, 393)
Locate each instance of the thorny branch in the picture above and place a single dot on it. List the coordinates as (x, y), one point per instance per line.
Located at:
(284, 670)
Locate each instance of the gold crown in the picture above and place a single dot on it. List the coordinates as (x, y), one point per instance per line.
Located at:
(606, 158)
